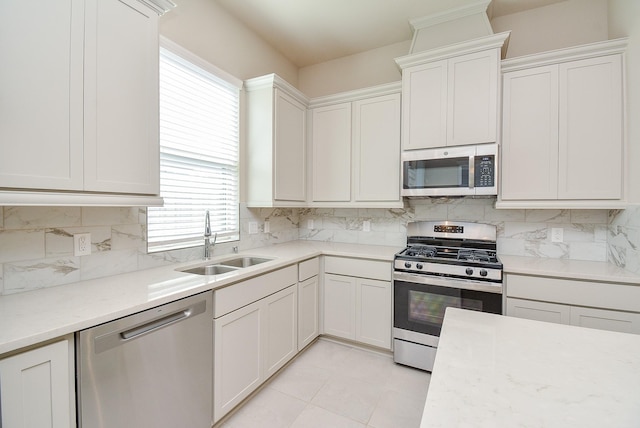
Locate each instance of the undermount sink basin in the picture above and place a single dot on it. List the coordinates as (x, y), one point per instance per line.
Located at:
(242, 262)
(210, 270)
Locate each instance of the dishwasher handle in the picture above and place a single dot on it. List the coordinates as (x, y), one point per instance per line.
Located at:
(154, 325)
(146, 322)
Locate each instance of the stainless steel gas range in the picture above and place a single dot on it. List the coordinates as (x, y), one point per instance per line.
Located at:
(445, 264)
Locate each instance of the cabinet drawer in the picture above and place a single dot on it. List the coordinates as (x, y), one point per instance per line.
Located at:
(308, 268)
(235, 296)
(539, 311)
(574, 292)
(360, 268)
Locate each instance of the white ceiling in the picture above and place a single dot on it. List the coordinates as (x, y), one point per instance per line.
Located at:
(312, 31)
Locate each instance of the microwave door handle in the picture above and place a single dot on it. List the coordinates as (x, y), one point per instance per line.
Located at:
(472, 172)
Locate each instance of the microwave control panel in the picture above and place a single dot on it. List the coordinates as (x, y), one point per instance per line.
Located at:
(484, 171)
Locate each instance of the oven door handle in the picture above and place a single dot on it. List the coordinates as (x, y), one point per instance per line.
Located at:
(464, 284)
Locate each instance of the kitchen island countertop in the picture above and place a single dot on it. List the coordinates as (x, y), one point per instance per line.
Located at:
(497, 371)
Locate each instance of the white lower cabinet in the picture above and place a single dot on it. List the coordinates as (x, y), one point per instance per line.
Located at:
(237, 357)
(605, 306)
(373, 312)
(357, 300)
(308, 302)
(539, 311)
(37, 387)
(252, 341)
(281, 329)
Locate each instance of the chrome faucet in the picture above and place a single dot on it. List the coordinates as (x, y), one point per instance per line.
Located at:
(207, 237)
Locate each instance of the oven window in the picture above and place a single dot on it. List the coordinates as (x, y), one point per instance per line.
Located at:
(421, 308)
(429, 308)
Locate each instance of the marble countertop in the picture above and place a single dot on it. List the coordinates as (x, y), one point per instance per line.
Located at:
(40, 315)
(571, 269)
(496, 371)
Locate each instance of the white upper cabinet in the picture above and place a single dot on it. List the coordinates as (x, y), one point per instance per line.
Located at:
(376, 149)
(355, 148)
(121, 98)
(79, 104)
(331, 142)
(563, 141)
(41, 94)
(276, 143)
(450, 94)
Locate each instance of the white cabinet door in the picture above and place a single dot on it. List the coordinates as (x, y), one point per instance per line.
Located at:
(373, 312)
(451, 102)
(36, 388)
(625, 322)
(472, 109)
(424, 106)
(376, 148)
(121, 97)
(530, 134)
(331, 153)
(308, 327)
(339, 306)
(539, 311)
(238, 357)
(41, 45)
(590, 115)
(281, 329)
(563, 126)
(289, 146)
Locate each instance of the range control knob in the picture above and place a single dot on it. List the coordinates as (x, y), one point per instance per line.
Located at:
(419, 266)
(407, 265)
(483, 272)
(469, 271)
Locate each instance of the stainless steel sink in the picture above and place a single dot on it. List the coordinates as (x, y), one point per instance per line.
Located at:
(243, 262)
(210, 270)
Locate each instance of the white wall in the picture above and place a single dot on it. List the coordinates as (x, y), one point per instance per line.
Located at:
(560, 25)
(207, 30)
(361, 70)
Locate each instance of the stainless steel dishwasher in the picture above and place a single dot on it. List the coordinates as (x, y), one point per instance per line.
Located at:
(153, 369)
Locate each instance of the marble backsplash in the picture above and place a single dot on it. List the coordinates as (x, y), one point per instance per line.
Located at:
(520, 232)
(36, 243)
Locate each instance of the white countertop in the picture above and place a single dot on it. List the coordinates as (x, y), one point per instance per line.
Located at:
(497, 371)
(36, 316)
(571, 269)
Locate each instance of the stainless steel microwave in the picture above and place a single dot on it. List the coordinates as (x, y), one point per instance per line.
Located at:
(450, 171)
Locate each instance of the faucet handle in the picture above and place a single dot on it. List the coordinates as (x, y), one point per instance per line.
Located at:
(215, 238)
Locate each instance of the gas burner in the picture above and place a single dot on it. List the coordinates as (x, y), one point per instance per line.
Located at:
(421, 251)
(474, 255)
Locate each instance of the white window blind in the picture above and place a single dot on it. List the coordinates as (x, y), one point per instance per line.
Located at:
(199, 138)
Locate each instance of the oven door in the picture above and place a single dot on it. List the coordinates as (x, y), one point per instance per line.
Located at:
(420, 304)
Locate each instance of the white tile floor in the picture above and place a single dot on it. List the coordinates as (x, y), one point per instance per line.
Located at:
(338, 386)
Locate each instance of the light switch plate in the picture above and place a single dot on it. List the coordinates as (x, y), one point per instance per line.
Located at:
(557, 234)
(267, 227)
(310, 223)
(253, 227)
(366, 226)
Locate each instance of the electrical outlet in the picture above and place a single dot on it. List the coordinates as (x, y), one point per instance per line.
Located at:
(81, 244)
(267, 227)
(253, 227)
(557, 234)
(366, 226)
(310, 223)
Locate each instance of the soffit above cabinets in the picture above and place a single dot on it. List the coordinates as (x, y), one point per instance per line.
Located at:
(308, 32)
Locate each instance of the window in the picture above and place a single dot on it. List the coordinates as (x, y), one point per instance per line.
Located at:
(199, 139)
